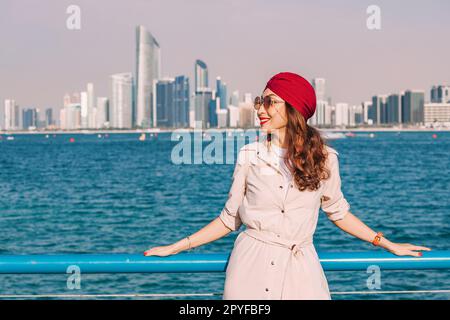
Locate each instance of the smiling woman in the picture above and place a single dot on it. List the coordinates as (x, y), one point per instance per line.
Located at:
(274, 257)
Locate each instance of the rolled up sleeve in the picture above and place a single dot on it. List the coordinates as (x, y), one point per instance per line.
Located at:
(333, 202)
(230, 212)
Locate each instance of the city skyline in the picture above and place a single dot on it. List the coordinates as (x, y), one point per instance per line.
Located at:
(176, 107)
(113, 51)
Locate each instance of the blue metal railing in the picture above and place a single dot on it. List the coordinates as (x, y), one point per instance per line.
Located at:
(192, 262)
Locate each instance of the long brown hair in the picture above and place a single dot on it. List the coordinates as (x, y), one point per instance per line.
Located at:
(306, 155)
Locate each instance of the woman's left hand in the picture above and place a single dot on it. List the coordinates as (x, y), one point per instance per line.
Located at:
(406, 249)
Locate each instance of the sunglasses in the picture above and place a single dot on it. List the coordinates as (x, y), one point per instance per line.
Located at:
(267, 101)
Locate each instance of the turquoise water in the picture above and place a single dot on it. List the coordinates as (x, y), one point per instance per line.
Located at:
(117, 194)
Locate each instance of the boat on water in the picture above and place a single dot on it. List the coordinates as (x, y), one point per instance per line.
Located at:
(142, 137)
(333, 135)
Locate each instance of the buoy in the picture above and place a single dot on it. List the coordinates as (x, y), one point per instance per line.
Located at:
(434, 135)
(142, 137)
(72, 140)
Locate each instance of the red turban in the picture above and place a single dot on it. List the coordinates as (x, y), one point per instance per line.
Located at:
(296, 91)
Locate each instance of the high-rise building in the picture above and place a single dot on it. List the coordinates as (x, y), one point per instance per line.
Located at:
(91, 106)
(192, 103)
(377, 110)
(165, 106)
(121, 100)
(29, 118)
(413, 106)
(11, 115)
(440, 94)
(181, 101)
(322, 115)
(342, 114)
(356, 115)
(84, 109)
(148, 71)
(49, 117)
(222, 118)
(70, 117)
(102, 113)
(394, 109)
(234, 100)
(247, 113)
(201, 75)
(233, 116)
(221, 88)
(214, 106)
(203, 99)
(319, 88)
(366, 105)
(172, 102)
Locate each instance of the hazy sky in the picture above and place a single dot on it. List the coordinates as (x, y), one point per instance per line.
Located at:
(243, 41)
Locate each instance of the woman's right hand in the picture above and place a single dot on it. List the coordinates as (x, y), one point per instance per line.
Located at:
(161, 251)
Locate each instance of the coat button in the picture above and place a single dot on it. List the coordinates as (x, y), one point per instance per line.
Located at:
(272, 263)
(281, 187)
(267, 289)
(278, 235)
(292, 185)
(282, 211)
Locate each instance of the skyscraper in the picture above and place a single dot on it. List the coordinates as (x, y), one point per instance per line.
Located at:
(84, 109)
(233, 116)
(221, 88)
(181, 101)
(440, 94)
(11, 115)
(70, 117)
(203, 99)
(366, 105)
(91, 106)
(235, 98)
(29, 118)
(102, 112)
(201, 75)
(413, 106)
(121, 100)
(213, 107)
(377, 111)
(342, 114)
(48, 117)
(148, 70)
(394, 108)
(165, 107)
(319, 87)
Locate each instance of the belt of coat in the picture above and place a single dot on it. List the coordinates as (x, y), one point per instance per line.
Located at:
(271, 238)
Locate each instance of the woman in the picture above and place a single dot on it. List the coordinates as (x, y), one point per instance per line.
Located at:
(279, 184)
